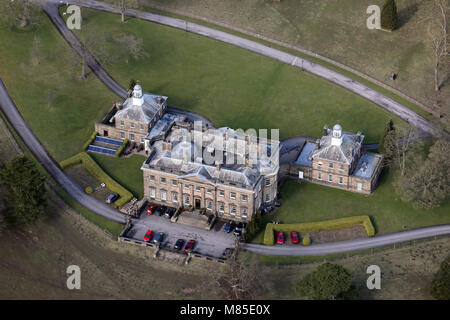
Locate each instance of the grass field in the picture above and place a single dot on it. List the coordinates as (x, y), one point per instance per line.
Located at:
(59, 107)
(309, 202)
(337, 29)
(126, 171)
(234, 87)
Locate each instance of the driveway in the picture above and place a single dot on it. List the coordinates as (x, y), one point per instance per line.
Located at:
(211, 243)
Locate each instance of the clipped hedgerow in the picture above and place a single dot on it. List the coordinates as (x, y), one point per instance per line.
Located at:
(91, 138)
(306, 241)
(321, 225)
(97, 172)
(119, 151)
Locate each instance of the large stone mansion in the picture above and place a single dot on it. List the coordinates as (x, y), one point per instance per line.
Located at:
(188, 164)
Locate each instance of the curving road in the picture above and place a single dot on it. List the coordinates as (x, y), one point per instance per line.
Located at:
(50, 6)
(32, 142)
(13, 115)
(349, 245)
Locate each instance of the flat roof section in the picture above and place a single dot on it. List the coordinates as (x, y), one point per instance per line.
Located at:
(303, 158)
(366, 165)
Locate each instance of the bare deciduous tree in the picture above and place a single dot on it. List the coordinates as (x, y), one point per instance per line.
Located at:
(124, 5)
(437, 44)
(237, 279)
(129, 46)
(399, 146)
(20, 12)
(443, 7)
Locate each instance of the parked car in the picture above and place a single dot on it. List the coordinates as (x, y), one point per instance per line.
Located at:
(238, 229)
(294, 237)
(158, 238)
(179, 244)
(160, 210)
(189, 246)
(151, 209)
(148, 235)
(112, 197)
(169, 212)
(229, 227)
(280, 237)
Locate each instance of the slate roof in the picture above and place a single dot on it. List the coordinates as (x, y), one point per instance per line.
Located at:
(343, 153)
(176, 161)
(144, 113)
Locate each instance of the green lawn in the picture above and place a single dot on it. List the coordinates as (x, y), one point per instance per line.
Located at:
(234, 87)
(59, 106)
(337, 29)
(309, 202)
(126, 171)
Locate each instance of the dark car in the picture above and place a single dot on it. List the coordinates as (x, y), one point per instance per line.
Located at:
(160, 210)
(229, 227)
(189, 246)
(158, 238)
(148, 235)
(112, 197)
(179, 244)
(238, 229)
(169, 212)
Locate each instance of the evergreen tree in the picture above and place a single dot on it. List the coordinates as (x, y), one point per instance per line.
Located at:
(440, 285)
(328, 281)
(25, 192)
(389, 15)
(389, 127)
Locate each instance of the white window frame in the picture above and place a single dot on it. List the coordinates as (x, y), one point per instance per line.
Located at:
(330, 178)
(221, 193)
(163, 180)
(244, 198)
(163, 195)
(174, 197)
(233, 210)
(174, 183)
(221, 207)
(341, 180)
(152, 193)
(233, 195)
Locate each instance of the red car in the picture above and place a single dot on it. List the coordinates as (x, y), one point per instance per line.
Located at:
(280, 237)
(151, 209)
(148, 236)
(294, 237)
(189, 246)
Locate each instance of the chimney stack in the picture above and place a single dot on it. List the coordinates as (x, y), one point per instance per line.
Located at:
(218, 165)
(358, 136)
(325, 130)
(317, 144)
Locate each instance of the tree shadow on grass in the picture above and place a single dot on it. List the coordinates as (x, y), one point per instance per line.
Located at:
(406, 14)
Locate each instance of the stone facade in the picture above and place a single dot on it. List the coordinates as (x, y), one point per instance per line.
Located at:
(134, 118)
(232, 192)
(337, 160)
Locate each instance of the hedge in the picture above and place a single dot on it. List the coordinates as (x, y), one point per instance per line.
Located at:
(306, 241)
(91, 138)
(119, 151)
(97, 172)
(321, 225)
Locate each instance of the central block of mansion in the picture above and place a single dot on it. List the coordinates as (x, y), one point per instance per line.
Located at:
(183, 170)
(178, 173)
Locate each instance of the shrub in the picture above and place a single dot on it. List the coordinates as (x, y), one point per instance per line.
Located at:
(91, 138)
(389, 15)
(440, 285)
(89, 190)
(306, 241)
(321, 225)
(119, 151)
(97, 172)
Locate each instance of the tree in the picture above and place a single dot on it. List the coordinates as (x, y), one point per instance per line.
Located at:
(94, 42)
(25, 192)
(127, 45)
(440, 285)
(20, 13)
(238, 280)
(399, 145)
(437, 44)
(327, 282)
(124, 5)
(427, 183)
(389, 127)
(442, 6)
(389, 15)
